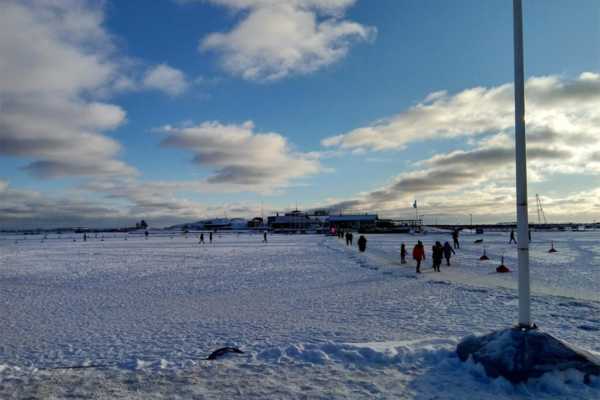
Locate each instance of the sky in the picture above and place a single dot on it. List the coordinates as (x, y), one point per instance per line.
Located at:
(179, 110)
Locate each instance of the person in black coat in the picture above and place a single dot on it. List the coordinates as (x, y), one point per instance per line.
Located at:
(349, 239)
(455, 241)
(403, 253)
(362, 243)
(512, 237)
(437, 255)
(448, 251)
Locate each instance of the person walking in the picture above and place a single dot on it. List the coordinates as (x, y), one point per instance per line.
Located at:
(201, 238)
(456, 243)
(351, 238)
(348, 239)
(362, 243)
(403, 253)
(418, 255)
(210, 237)
(448, 251)
(437, 255)
(512, 237)
(265, 236)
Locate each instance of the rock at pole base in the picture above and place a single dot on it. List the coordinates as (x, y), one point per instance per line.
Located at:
(519, 354)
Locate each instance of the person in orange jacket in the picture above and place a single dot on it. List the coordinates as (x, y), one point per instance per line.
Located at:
(419, 255)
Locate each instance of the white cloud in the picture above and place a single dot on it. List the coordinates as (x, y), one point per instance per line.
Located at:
(167, 79)
(241, 156)
(569, 107)
(56, 58)
(275, 39)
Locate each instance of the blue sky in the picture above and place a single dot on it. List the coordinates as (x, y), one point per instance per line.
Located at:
(182, 78)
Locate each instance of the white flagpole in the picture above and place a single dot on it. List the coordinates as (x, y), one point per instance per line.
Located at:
(521, 170)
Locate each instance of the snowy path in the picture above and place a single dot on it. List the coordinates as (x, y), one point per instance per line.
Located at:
(315, 318)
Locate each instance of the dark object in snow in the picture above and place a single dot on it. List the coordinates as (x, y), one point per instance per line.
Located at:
(552, 249)
(502, 268)
(484, 256)
(222, 351)
(519, 354)
(478, 241)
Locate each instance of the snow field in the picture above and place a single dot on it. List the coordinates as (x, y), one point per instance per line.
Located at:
(315, 318)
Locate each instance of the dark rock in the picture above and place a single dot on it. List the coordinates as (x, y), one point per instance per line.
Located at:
(222, 351)
(518, 355)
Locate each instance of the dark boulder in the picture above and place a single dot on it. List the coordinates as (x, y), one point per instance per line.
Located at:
(518, 355)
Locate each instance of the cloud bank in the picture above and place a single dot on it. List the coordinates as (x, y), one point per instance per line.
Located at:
(240, 156)
(56, 63)
(562, 129)
(553, 104)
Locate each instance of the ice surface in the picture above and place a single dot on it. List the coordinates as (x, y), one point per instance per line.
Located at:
(315, 318)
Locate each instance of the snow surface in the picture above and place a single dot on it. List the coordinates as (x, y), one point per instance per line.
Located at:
(315, 318)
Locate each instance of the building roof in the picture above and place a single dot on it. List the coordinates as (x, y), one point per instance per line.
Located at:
(353, 217)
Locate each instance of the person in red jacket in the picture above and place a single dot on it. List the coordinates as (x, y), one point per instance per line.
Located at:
(419, 255)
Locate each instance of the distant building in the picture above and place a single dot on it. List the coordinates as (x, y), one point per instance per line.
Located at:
(295, 221)
(353, 221)
(256, 222)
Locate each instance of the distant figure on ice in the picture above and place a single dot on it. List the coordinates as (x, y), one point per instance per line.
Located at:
(437, 253)
(512, 237)
(265, 236)
(146, 234)
(419, 255)
(448, 251)
(85, 237)
(210, 237)
(362, 243)
(348, 239)
(201, 238)
(402, 254)
(456, 243)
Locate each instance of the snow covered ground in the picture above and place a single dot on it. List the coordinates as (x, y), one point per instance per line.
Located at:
(315, 318)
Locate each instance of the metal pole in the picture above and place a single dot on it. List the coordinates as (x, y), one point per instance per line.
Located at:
(521, 170)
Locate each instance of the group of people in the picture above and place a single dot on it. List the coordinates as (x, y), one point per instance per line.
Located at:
(210, 238)
(361, 242)
(438, 253)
